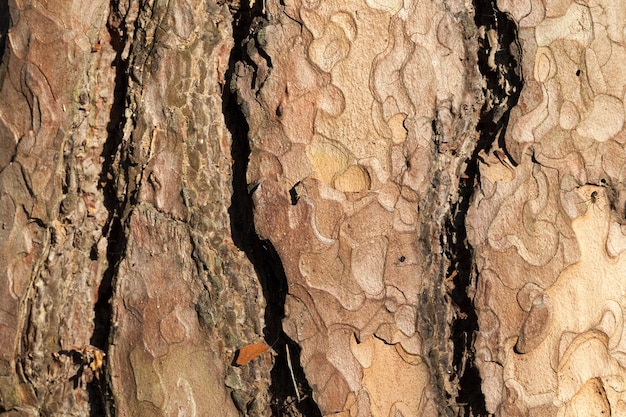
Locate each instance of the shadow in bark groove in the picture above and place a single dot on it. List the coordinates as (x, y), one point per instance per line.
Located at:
(492, 126)
(261, 253)
(503, 96)
(101, 397)
(5, 23)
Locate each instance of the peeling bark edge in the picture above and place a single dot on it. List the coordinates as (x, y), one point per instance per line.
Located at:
(261, 253)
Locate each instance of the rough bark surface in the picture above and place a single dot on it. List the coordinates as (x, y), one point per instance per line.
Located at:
(547, 227)
(361, 118)
(116, 180)
(308, 208)
(54, 249)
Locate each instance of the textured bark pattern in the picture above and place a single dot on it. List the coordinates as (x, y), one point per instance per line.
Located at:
(361, 116)
(53, 122)
(185, 297)
(547, 222)
(452, 241)
(115, 184)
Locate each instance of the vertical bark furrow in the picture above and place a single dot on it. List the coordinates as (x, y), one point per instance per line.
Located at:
(246, 24)
(112, 176)
(499, 62)
(184, 297)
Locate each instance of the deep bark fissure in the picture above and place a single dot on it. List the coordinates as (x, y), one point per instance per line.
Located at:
(504, 84)
(470, 399)
(261, 253)
(5, 24)
(101, 397)
(492, 125)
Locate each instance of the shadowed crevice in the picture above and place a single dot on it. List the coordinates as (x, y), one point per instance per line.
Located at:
(492, 126)
(101, 395)
(5, 24)
(504, 83)
(261, 253)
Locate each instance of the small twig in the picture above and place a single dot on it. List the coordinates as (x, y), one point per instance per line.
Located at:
(293, 378)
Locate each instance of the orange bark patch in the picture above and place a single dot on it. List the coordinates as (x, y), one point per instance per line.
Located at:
(249, 352)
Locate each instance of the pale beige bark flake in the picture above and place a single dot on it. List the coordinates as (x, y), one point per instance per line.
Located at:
(357, 92)
(559, 346)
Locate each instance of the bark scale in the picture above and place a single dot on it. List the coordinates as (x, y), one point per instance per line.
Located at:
(417, 206)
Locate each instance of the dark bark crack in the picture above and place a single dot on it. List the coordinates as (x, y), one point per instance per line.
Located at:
(101, 395)
(261, 253)
(5, 24)
(503, 84)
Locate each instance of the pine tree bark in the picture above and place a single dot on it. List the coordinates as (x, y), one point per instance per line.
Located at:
(312, 208)
(116, 183)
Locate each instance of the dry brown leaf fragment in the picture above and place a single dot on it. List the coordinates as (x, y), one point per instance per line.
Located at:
(249, 352)
(89, 360)
(97, 360)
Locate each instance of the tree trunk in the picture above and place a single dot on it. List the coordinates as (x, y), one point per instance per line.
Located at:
(312, 208)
